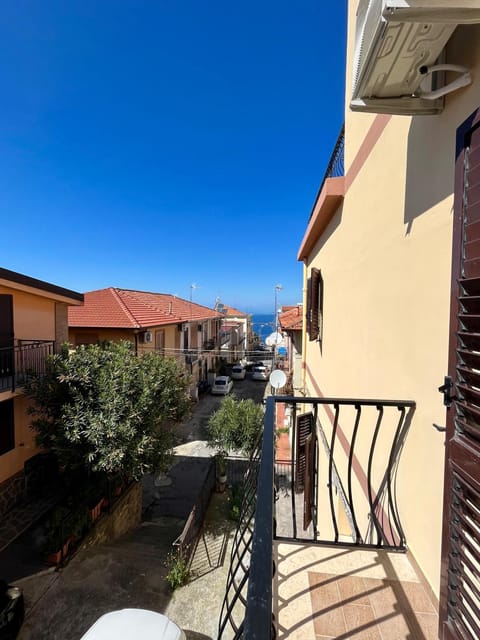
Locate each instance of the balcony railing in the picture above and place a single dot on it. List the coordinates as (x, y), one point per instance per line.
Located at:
(337, 488)
(336, 167)
(19, 362)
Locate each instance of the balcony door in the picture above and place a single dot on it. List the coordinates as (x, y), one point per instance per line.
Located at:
(460, 586)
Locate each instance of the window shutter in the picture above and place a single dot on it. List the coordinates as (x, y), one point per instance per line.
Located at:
(309, 308)
(308, 496)
(314, 304)
(304, 429)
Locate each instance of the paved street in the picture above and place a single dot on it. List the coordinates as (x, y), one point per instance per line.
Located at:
(130, 572)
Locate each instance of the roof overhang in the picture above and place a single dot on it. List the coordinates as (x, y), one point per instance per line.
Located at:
(20, 282)
(328, 200)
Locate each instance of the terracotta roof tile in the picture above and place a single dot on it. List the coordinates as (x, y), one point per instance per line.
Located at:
(231, 311)
(292, 319)
(128, 309)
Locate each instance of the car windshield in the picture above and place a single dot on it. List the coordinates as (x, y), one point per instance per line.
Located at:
(219, 383)
(237, 369)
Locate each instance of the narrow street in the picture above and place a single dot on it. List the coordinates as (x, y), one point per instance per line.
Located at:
(130, 571)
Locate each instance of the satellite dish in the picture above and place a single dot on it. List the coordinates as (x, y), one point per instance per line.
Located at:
(274, 339)
(277, 378)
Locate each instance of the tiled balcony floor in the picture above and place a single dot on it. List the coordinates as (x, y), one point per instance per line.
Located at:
(326, 592)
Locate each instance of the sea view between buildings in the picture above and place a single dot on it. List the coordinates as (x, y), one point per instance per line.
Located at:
(263, 324)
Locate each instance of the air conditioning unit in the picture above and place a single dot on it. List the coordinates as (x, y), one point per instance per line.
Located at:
(148, 336)
(397, 46)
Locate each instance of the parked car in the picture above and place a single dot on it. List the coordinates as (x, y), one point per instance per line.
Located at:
(222, 385)
(11, 610)
(260, 373)
(238, 372)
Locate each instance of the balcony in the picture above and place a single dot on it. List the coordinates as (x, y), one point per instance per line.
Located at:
(210, 344)
(26, 358)
(319, 551)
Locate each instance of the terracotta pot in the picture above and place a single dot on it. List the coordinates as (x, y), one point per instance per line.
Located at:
(54, 558)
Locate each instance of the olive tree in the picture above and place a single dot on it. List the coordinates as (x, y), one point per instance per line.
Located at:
(103, 409)
(235, 426)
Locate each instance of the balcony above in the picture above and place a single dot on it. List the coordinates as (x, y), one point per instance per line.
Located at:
(26, 358)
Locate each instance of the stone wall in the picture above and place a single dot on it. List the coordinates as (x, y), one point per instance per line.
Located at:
(125, 515)
(12, 492)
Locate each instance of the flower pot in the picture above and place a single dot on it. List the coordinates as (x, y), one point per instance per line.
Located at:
(54, 558)
(96, 511)
(65, 548)
(221, 484)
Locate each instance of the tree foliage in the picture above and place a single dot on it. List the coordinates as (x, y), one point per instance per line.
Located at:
(104, 409)
(235, 426)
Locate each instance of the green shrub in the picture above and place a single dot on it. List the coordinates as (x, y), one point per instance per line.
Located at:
(178, 569)
(235, 502)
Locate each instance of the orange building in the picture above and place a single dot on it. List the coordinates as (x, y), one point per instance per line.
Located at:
(158, 322)
(33, 324)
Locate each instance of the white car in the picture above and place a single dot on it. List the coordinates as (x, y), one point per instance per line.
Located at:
(260, 373)
(130, 624)
(222, 385)
(238, 372)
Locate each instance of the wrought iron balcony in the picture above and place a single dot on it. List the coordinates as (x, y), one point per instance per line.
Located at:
(26, 358)
(337, 489)
(209, 344)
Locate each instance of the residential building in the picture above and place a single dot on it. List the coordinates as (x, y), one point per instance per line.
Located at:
(235, 329)
(157, 322)
(383, 461)
(290, 321)
(33, 325)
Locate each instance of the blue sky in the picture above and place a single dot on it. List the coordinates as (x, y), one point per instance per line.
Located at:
(156, 144)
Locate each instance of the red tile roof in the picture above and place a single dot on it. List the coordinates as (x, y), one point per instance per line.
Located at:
(231, 311)
(127, 309)
(291, 320)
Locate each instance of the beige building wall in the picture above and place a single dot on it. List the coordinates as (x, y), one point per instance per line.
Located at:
(35, 317)
(385, 261)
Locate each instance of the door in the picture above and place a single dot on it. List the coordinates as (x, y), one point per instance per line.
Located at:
(460, 587)
(6, 341)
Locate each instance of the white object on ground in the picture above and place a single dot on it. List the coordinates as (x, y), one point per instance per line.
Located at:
(132, 624)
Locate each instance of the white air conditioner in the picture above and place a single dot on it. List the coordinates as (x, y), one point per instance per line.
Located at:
(148, 336)
(397, 46)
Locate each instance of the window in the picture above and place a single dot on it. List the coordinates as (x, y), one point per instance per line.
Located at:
(7, 427)
(315, 305)
(160, 342)
(86, 339)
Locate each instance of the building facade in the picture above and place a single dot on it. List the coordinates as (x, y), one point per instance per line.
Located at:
(33, 325)
(381, 298)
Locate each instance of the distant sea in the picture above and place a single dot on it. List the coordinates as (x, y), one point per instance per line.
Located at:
(263, 324)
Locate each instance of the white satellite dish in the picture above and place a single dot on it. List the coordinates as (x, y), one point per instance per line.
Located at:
(277, 378)
(274, 339)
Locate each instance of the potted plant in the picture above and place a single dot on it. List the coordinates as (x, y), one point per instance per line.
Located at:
(221, 470)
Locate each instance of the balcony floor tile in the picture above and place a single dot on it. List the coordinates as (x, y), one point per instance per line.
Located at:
(333, 592)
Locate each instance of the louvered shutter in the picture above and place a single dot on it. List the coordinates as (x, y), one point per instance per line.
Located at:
(304, 428)
(308, 495)
(314, 304)
(460, 588)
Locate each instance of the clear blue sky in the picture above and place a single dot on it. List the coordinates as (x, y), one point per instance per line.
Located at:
(155, 144)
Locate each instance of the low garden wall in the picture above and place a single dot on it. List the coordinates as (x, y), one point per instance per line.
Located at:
(124, 515)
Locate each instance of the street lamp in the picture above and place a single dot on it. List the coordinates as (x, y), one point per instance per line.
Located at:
(278, 287)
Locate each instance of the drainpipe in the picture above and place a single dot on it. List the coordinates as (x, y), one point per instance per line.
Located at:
(304, 328)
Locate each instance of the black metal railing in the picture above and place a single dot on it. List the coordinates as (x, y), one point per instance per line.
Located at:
(19, 362)
(337, 487)
(336, 166)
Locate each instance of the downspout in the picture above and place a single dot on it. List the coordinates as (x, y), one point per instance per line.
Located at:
(304, 328)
